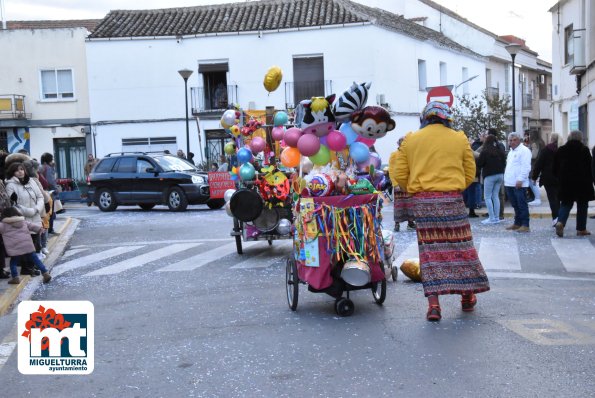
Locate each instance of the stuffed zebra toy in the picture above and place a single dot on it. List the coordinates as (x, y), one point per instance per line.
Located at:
(350, 101)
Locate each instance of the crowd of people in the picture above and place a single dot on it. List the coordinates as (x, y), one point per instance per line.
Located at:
(437, 175)
(29, 203)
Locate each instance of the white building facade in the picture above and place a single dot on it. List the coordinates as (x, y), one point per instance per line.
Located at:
(573, 67)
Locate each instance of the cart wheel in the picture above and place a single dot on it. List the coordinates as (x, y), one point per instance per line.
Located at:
(270, 242)
(394, 272)
(344, 307)
(379, 291)
(292, 283)
(238, 230)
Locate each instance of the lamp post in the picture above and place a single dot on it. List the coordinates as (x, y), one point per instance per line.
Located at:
(185, 73)
(513, 50)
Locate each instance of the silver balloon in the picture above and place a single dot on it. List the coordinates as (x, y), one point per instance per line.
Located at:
(228, 194)
(284, 227)
(228, 209)
(306, 164)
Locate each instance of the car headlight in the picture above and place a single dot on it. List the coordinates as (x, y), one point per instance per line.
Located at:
(198, 180)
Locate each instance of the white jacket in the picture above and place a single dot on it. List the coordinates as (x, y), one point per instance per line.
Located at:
(518, 166)
(29, 201)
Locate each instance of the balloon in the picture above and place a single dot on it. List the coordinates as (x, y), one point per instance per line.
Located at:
(230, 148)
(322, 157)
(350, 135)
(228, 209)
(272, 78)
(368, 141)
(351, 100)
(306, 165)
(320, 185)
(375, 160)
(308, 144)
(229, 118)
(336, 141)
(257, 145)
(228, 194)
(260, 132)
(359, 152)
(290, 157)
(247, 172)
(280, 119)
(277, 133)
(235, 130)
(284, 227)
(245, 155)
(292, 136)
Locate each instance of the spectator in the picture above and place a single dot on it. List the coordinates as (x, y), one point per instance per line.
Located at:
(572, 166)
(492, 162)
(403, 202)
(180, 154)
(214, 166)
(543, 171)
(516, 181)
(91, 162)
(224, 165)
(190, 157)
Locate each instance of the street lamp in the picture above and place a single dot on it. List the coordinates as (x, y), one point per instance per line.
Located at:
(513, 50)
(185, 73)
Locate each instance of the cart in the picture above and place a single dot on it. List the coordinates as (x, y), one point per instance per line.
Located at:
(324, 271)
(265, 227)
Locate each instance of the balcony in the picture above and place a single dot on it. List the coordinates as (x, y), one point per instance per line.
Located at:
(212, 100)
(527, 102)
(298, 91)
(493, 93)
(12, 106)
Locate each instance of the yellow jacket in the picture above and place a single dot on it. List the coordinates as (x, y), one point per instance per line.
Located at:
(433, 159)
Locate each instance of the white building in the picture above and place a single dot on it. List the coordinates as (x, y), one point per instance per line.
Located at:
(137, 96)
(43, 91)
(574, 67)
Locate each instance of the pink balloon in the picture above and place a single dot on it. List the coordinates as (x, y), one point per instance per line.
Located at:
(308, 144)
(336, 140)
(277, 133)
(292, 136)
(257, 145)
(368, 141)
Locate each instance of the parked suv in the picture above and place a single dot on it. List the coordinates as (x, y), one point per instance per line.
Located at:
(147, 180)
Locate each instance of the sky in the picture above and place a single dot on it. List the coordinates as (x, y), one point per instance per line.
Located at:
(527, 19)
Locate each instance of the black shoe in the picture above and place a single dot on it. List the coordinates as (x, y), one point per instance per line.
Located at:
(486, 215)
(4, 275)
(61, 211)
(411, 226)
(472, 214)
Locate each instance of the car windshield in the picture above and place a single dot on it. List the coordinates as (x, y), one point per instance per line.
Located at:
(173, 163)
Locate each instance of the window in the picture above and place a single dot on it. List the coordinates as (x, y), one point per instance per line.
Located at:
(464, 78)
(142, 165)
(507, 80)
(421, 74)
(488, 78)
(214, 77)
(308, 76)
(568, 45)
(57, 84)
(126, 165)
(443, 76)
(106, 165)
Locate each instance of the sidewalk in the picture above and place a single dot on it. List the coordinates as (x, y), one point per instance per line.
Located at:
(10, 293)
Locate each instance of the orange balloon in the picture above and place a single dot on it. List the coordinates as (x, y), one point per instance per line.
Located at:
(290, 157)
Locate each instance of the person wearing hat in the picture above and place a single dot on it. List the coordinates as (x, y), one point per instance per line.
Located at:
(435, 165)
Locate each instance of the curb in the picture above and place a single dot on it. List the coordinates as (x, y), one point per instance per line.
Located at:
(8, 297)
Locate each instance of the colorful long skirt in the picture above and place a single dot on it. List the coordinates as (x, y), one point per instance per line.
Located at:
(403, 210)
(448, 260)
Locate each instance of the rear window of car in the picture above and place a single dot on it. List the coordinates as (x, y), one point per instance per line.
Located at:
(105, 166)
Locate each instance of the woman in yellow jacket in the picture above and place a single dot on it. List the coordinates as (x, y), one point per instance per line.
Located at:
(435, 165)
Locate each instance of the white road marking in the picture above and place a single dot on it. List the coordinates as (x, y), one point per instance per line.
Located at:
(72, 252)
(577, 255)
(91, 259)
(526, 275)
(142, 259)
(266, 258)
(500, 253)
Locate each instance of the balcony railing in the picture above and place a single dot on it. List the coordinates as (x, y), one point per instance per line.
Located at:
(493, 92)
(216, 100)
(527, 101)
(12, 106)
(298, 91)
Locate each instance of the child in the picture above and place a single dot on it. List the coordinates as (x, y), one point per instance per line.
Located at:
(18, 243)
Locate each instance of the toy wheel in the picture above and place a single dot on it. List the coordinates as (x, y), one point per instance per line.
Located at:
(394, 272)
(344, 307)
(292, 283)
(238, 231)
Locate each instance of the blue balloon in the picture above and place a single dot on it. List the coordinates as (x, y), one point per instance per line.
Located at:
(359, 152)
(348, 132)
(280, 118)
(247, 172)
(244, 155)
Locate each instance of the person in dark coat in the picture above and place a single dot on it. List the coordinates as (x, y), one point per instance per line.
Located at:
(543, 171)
(572, 166)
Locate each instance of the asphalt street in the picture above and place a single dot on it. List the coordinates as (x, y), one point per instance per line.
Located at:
(179, 313)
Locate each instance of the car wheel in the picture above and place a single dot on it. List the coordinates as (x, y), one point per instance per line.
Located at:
(106, 200)
(146, 206)
(215, 204)
(176, 199)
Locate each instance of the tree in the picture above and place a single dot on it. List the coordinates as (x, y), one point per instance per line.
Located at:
(475, 114)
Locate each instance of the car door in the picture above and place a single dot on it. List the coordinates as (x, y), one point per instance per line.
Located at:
(123, 178)
(147, 187)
